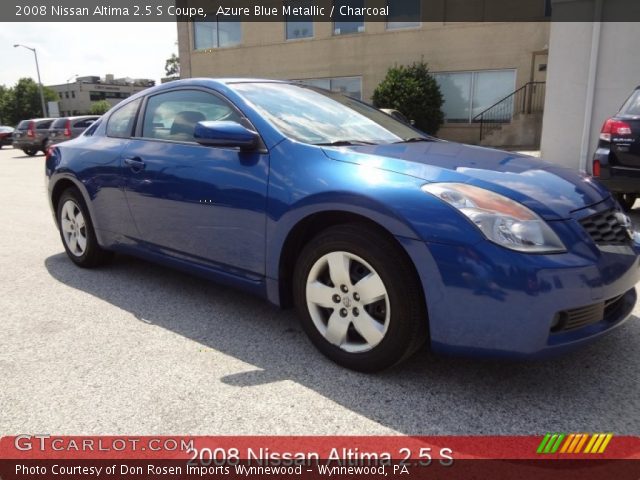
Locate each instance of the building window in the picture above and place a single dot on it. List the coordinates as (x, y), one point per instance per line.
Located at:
(300, 26)
(73, 94)
(351, 86)
(349, 23)
(467, 94)
(217, 33)
(66, 94)
(403, 14)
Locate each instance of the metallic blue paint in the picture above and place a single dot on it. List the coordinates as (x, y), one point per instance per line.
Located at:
(226, 214)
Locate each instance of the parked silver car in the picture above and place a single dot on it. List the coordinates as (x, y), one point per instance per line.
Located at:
(66, 128)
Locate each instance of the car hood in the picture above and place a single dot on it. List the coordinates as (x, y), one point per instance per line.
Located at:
(551, 191)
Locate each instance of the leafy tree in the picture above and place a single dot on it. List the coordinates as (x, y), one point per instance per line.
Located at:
(22, 101)
(172, 66)
(100, 107)
(414, 92)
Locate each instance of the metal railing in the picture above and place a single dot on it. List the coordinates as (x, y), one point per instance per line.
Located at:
(527, 99)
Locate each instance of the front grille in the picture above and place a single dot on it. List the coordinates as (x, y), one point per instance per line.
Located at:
(583, 316)
(606, 228)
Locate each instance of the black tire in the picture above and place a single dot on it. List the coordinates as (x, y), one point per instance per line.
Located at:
(31, 151)
(93, 254)
(407, 328)
(626, 200)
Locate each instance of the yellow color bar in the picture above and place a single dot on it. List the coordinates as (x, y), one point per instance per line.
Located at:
(605, 443)
(599, 441)
(593, 439)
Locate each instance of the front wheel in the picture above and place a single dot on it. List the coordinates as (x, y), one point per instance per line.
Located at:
(626, 200)
(359, 299)
(31, 151)
(77, 233)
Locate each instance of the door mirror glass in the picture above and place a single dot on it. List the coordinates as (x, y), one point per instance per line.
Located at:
(225, 134)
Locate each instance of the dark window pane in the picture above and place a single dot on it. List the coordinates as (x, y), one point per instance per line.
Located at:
(299, 26)
(351, 23)
(403, 14)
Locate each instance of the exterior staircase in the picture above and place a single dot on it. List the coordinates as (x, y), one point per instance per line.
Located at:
(514, 122)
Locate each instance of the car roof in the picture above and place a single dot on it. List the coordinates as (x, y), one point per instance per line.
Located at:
(204, 82)
(76, 117)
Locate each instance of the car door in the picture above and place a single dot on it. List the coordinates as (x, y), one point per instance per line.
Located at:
(200, 203)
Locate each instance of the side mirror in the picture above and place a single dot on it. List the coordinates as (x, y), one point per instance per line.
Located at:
(225, 134)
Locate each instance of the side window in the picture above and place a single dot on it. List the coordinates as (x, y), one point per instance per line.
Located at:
(122, 120)
(173, 115)
(44, 125)
(84, 123)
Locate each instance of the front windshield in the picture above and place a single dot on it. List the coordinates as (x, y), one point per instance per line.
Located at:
(320, 117)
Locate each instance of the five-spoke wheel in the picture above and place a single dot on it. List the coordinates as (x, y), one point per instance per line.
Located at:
(76, 231)
(359, 298)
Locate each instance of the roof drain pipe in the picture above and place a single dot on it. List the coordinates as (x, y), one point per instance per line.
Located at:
(591, 84)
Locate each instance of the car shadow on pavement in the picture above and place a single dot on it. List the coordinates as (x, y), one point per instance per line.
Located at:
(592, 389)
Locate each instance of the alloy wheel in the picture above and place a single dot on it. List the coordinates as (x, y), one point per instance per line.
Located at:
(348, 302)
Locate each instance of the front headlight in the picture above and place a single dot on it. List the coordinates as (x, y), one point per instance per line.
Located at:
(502, 220)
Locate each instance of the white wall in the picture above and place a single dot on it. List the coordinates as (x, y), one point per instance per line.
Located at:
(617, 74)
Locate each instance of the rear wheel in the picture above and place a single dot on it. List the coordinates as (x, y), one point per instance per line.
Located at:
(626, 200)
(30, 151)
(359, 299)
(77, 233)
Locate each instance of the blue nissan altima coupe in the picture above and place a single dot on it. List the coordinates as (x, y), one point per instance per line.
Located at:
(382, 237)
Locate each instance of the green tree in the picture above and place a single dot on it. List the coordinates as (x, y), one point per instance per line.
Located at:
(414, 92)
(100, 107)
(22, 101)
(172, 66)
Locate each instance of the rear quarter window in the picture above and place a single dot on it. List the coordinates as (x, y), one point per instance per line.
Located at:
(121, 121)
(632, 106)
(59, 123)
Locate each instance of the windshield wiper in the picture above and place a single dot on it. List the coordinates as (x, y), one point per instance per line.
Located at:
(343, 143)
(415, 139)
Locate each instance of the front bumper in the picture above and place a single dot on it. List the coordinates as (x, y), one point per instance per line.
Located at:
(489, 301)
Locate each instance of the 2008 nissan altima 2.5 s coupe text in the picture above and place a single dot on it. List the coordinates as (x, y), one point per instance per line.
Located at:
(382, 237)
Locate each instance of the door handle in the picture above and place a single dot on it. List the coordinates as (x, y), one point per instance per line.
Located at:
(135, 163)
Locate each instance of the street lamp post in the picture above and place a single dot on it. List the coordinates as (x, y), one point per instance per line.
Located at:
(35, 54)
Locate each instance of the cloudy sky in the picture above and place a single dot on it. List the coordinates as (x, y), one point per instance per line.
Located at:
(136, 50)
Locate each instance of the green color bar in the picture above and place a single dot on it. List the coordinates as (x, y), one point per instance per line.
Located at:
(542, 444)
(550, 443)
(554, 449)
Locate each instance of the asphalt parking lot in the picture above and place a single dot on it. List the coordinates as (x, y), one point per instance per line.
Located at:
(134, 348)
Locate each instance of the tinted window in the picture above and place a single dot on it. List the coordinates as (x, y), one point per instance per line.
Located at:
(44, 125)
(84, 123)
(632, 106)
(220, 32)
(91, 130)
(349, 23)
(173, 115)
(299, 26)
(59, 123)
(403, 14)
(23, 125)
(317, 116)
(122, 120)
